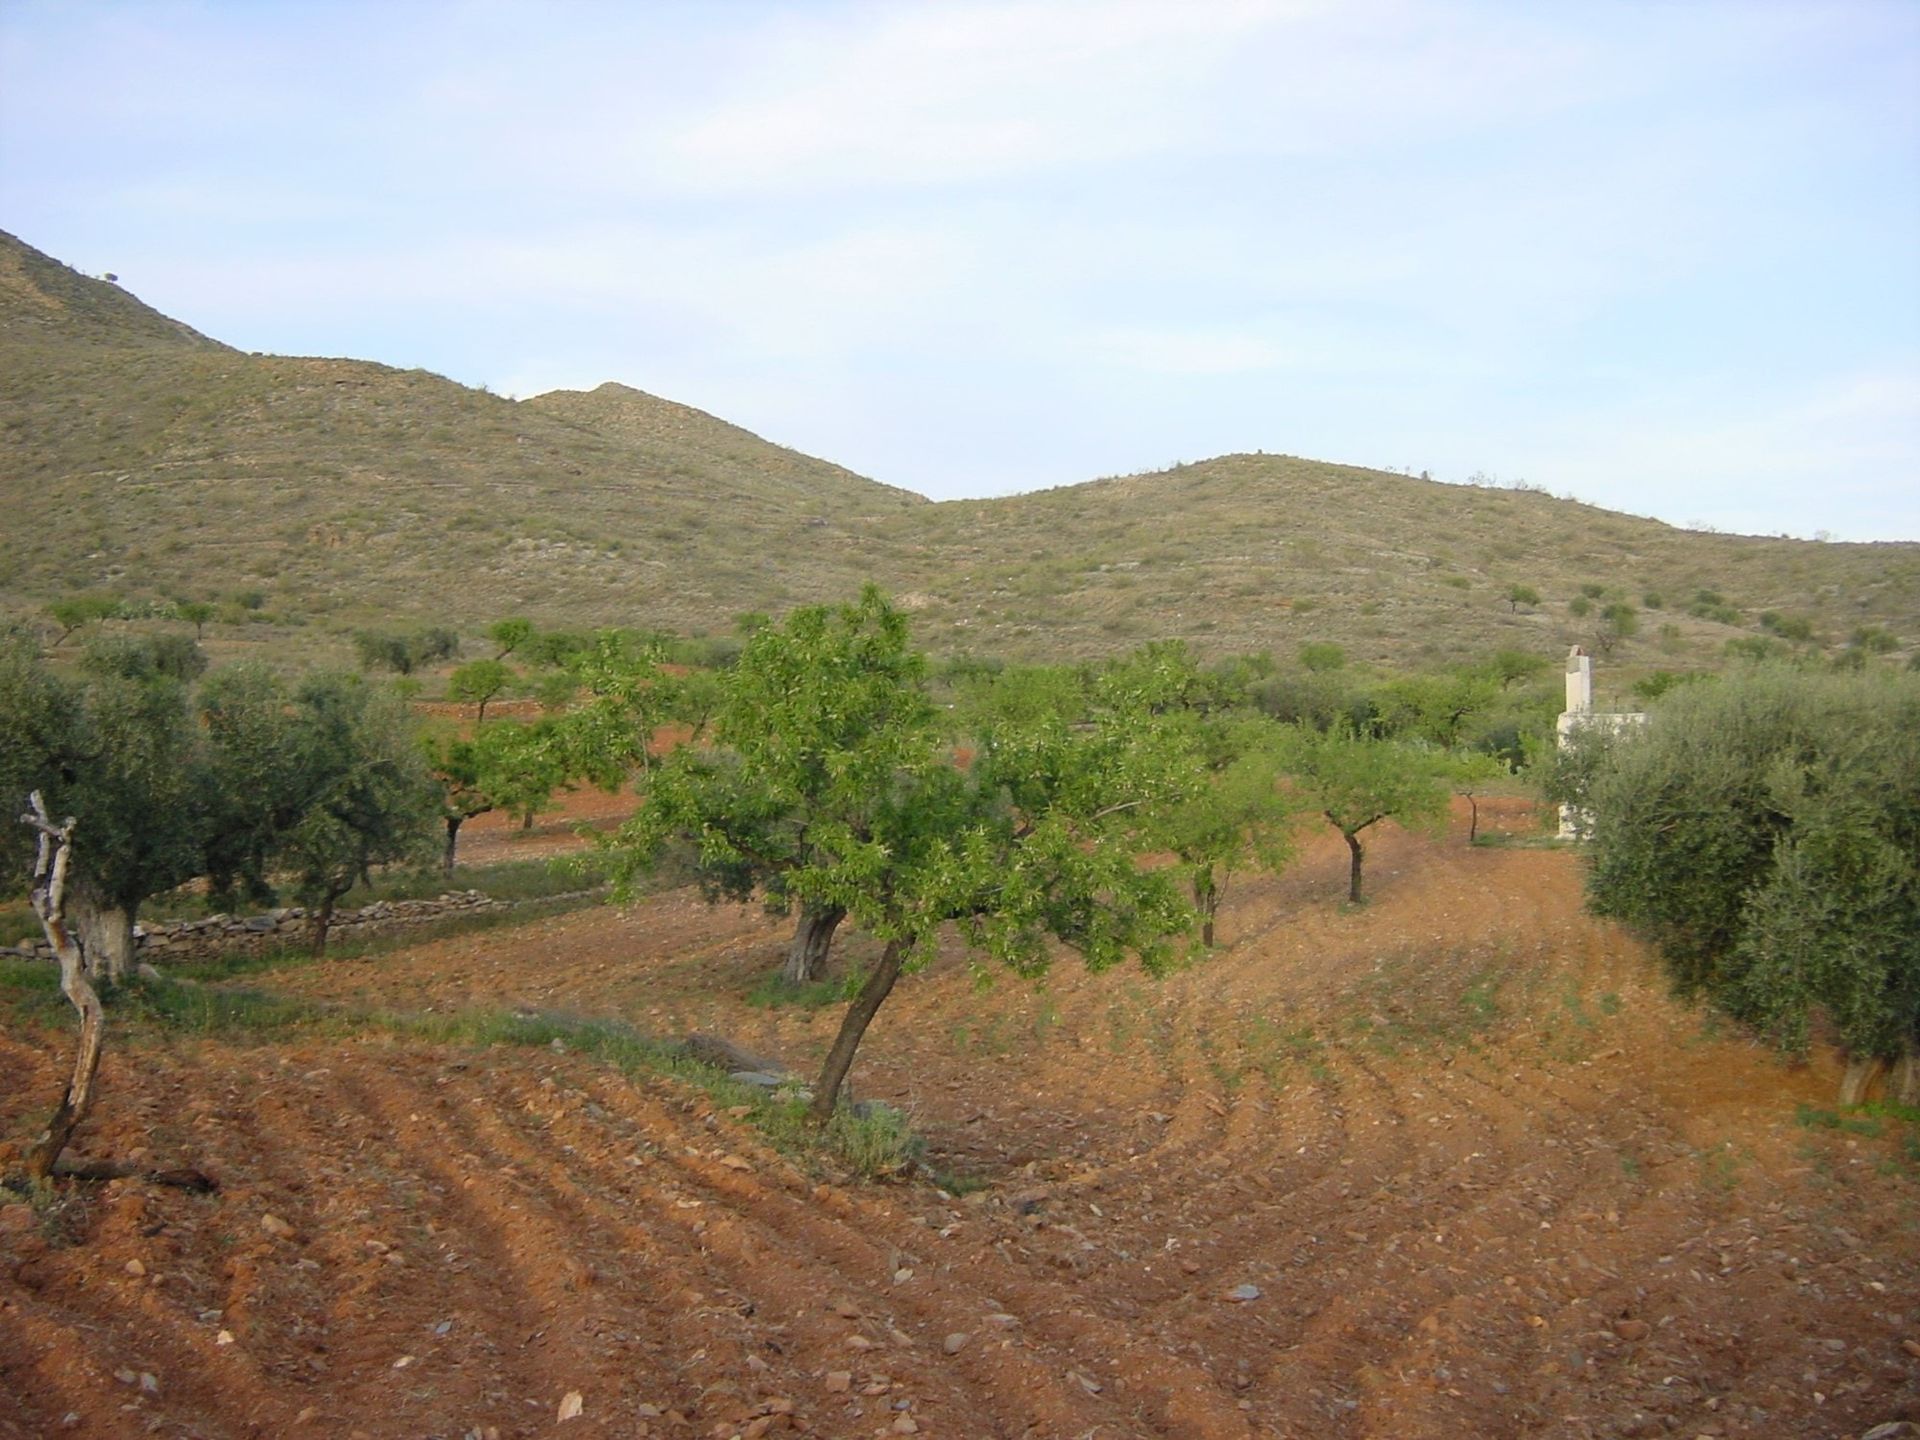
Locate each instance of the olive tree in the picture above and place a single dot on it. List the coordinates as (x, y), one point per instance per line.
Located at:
(1763, 831)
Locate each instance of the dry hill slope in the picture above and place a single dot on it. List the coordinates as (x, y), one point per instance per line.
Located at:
(139, 456)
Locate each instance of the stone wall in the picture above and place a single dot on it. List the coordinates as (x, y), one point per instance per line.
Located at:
(176, 941)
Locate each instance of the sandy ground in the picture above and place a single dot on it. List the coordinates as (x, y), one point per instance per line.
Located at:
(1448, 1165)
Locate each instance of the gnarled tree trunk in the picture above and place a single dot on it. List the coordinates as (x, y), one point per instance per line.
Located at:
(807, 954)
(877, 986)
(104, 931)
(453, 839)
(49, 898)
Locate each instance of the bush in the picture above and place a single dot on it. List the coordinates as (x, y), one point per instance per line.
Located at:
(1764, 833)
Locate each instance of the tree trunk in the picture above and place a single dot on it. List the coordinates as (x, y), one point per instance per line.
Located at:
(1206, 899)
(49, 899)
(807, 954)
(105, 934)
(1353, 870)
(1903, 1085)
(1856, 1085)
(453, 838)
(859, 1015)
(1473, 820)
(323, 921)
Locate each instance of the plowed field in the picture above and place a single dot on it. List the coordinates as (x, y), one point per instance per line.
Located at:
(1447, 1165)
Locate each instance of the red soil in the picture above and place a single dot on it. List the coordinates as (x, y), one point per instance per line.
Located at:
(1486, 1178)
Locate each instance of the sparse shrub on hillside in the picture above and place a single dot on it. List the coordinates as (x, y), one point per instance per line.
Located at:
(1580, 607)
(1764, 832)
(144, 657)
(1320, 656)
(1518, 595)
(404, 653)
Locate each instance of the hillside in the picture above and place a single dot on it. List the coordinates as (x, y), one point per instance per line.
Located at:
(139, 456)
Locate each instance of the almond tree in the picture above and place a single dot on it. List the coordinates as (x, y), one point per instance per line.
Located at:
(1356, 783)
(831, 776)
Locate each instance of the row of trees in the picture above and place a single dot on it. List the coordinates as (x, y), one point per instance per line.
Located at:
(825, 774)
(826, 779)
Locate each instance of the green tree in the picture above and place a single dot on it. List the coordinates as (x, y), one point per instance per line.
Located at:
(479, 683)
(507, 766)
(144, 657)
(1229, 817)
(1022, 846)
(1355, 783)
(1320, 656)
(805, 737)
(367, 797)
(1764, 833)
(77, 611)
(195, 613)
(509, 635)
(122, 757)
(1518, 595)
(1618, 621)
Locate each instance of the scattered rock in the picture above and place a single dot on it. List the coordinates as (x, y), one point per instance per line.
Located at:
(734, 1162)
(136, 1269)
(838, 1382)
(571, 1406)
(956, 1342)
(1240, 1294)
(149, 1383)
(225, 1337)
(1631, 1329)
(906, 1425)
(276, 1227)
(403, 1362)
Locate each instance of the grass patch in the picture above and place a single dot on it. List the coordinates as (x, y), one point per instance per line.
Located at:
(774, 991)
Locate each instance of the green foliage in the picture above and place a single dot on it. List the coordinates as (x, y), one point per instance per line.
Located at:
(76, 611)
(1580, 607)
(1764, 833)
(365, 795)
(144, 657)
(509, 635)
(1618, 622)
(404, 653)
(1518, 595)
(478, 683)
(1319, 656)
(195, 613)
(1355, 783)
(830, 784)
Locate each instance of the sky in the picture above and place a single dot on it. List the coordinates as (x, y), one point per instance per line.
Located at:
(1664, 257)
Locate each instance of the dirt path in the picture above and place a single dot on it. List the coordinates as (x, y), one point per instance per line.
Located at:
(1483, 1176)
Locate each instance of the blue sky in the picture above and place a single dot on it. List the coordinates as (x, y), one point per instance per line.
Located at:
(1663, 256)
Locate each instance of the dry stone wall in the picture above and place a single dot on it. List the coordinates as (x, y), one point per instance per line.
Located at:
(178, 941)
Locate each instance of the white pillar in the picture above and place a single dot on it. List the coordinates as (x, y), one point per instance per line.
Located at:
(1579, 682)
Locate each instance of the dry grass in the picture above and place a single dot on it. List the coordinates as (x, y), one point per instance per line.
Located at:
(142, 458)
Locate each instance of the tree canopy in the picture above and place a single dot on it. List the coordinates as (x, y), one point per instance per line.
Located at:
(1764, 832)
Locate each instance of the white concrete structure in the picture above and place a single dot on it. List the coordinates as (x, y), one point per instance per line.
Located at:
(1580, 715)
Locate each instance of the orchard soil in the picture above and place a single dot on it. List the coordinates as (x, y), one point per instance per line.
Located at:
(1449, 1164)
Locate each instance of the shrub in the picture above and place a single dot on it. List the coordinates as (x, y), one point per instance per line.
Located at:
(1764, 833)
